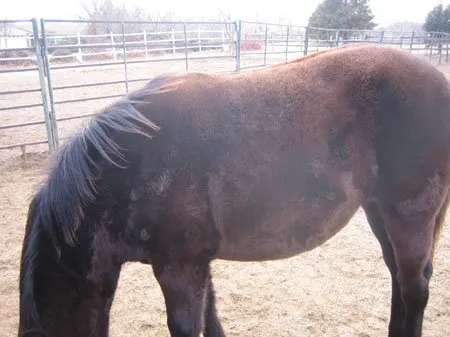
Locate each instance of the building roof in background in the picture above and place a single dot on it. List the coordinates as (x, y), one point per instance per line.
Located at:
(51, 28)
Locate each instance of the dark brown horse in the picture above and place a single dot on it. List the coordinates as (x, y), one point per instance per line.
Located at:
(247, 167)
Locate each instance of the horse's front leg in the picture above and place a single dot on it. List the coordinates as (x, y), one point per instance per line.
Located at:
(212, 326)
(184, 286)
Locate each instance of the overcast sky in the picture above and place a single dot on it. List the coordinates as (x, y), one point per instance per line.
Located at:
(295, 11)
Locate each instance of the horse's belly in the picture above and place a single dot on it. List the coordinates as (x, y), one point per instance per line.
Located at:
(283, 227)
(290, 239)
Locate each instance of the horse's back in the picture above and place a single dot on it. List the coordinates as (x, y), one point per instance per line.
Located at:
(285, 156)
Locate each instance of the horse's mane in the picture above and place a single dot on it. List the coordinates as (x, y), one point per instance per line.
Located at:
(70, 183)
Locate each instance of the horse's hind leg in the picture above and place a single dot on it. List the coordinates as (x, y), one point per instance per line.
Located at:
(184, 286)
(411, 226)
(397, 320)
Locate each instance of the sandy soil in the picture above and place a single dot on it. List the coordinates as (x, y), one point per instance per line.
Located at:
(339, 289)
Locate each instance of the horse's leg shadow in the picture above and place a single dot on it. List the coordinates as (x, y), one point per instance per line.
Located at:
(407, 237)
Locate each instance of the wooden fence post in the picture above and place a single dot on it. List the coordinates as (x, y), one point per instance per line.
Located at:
(223, 40)
(287, 42)
(145, 43)
(265, 46)
(199, 39)
(80, 53)
(174, 49)
(238, 30)
(111, 35)
(185, 47)
(305, 51)
(431, 47)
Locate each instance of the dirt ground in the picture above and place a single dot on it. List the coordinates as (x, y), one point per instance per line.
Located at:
(339, 289)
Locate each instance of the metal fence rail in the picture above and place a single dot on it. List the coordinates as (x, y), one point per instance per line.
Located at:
(271, 42)
(73, 71)
(123, 47)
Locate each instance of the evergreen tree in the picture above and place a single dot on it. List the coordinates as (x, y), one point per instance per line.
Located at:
(437, 20)
(343, 14)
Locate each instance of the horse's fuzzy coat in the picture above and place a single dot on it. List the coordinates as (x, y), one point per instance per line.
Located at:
(249, 166)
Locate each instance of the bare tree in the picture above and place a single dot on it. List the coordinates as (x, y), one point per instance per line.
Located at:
(227, 24)
(5, 29)
(107, 10)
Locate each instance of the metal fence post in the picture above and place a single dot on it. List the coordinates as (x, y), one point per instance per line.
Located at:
(52, 112)
(446, 50)
(124, 48)
(238, 29)
(40, 65)
(305, 51)
(412, 42)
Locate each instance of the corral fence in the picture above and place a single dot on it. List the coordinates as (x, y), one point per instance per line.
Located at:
(51, 79)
